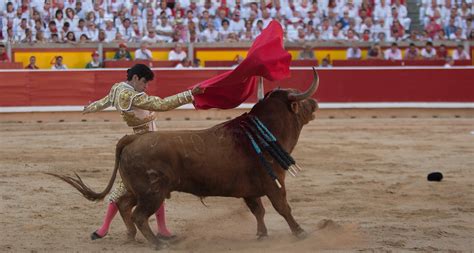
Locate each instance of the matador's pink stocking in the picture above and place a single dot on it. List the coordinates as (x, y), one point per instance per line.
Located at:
(109, 216)
(160, 219)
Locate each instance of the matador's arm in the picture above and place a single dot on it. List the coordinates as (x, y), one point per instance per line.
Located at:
(153, 103)
(98, 105)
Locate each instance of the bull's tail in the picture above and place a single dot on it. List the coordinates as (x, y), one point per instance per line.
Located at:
(87, 192)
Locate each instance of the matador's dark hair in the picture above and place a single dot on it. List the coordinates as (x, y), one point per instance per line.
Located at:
(141, 70)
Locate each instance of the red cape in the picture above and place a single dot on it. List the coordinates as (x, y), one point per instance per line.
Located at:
(266, 58)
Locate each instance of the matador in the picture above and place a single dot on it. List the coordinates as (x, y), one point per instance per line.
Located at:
(137, 109)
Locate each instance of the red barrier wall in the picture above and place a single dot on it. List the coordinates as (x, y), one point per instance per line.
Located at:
(41, 88)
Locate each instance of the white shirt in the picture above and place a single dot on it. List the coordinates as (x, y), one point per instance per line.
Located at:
(463, 56)
(389, 55)
(237, 27)
(62, 67)
(353, 54)
(339, 36)
(381, 12)
(110, 35)
(151, 40)
(93, 35)
(428, 55)
(166, 29)
(210, 36)
(143, 55)
(127, 33)
(173, 56)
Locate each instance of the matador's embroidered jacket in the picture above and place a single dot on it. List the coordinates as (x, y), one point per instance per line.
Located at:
(137, 108)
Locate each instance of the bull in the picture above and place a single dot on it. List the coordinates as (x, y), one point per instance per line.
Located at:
(218, 161)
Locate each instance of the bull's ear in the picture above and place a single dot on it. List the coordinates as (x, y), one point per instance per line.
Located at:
(295, 107)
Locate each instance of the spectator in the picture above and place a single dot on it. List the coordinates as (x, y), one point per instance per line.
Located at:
(137, 33)
(70, 38)
(325, 63)
(32, 64)
(204, 21)
(449, 62)
(451, 28)
(460, 53)
(83, 39)
(122, 53)
(190, 18)
(81, 28)
(210, 34)
(432, 28)
(40, 37)
(55, 38)
(413, 36)
(151, 37)
(102, 37)
(247, 36)
(224, 30)
(143, 53)
(110, 30)
(92, 32)
(442, 52)
(336, 34)
(428, 53)
(440, 35)
(458, 36)
(375, 52)
(196, 63)
(351, 36)
(177, 54)
(164, 30)
(306, 53)
(52, 29)
(221, 16)
(3, 54)
(397, 30)
(393, 53)
(95, 63)
(58, 63)
(232, 37)
(353, 52)
(126, 29)
(237, 25)
(412, 53)
(28, 37)
(185, 63)
(71, 17)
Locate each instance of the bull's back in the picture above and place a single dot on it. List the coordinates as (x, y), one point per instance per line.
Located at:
(211, 162)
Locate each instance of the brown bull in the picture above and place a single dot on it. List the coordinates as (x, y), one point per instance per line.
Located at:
(218, 161)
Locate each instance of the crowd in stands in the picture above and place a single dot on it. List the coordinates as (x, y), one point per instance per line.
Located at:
(412, 52)
(81, 21)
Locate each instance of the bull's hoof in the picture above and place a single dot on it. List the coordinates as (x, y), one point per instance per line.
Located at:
(301, 234)
(95, 236)
(131, 237)
(262, 237)
(159, 245)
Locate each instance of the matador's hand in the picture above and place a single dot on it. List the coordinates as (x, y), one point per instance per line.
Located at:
(86, 109)
(198, 90)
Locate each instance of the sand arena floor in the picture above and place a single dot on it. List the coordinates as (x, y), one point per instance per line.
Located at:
(364, 188)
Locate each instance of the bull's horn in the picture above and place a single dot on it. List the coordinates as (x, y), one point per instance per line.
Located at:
(312, 89)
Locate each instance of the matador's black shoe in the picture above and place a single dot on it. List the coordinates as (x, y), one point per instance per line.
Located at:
(95, 236)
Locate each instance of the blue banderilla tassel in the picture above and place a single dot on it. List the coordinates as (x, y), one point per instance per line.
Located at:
(284, 163)
(264, 162)
(273, 141)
